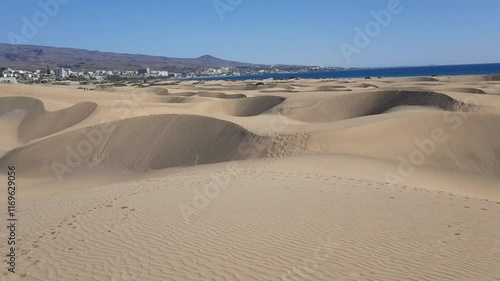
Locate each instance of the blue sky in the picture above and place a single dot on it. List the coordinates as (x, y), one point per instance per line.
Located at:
(308, 32)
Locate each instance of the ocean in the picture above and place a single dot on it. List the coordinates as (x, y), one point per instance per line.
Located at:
(442, 70)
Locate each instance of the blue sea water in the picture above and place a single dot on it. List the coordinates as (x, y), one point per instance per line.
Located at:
(443, 70)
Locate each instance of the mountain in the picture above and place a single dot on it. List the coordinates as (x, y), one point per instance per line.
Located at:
(30, 57)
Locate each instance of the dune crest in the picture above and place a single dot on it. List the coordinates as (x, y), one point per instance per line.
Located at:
(325, 108)
(140, 144)
(465, 142)
(220, 95)
(247, 107)
(38, 122)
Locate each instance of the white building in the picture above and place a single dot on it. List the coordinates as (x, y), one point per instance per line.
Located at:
(62, 72)
(8, 80)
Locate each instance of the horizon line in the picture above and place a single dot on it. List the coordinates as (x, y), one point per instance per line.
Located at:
(257, 64)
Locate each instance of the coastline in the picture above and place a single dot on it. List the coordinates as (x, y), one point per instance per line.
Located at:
(415, 71)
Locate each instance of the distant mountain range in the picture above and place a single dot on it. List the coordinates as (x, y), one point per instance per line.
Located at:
(30, 57)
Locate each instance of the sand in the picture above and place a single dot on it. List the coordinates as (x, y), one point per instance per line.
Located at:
(349, 179)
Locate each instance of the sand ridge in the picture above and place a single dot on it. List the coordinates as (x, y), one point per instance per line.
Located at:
(38, 123)
(156, 142)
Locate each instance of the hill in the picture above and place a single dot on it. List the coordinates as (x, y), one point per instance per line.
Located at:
(31, 57)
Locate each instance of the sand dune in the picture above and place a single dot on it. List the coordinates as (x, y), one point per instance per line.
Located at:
(337, 179)
(157, 90)
(429, 84)
(139, 144)
(220, 95)
(185, 94)
(244, 87)
(365, 85)
(38, 123)
(9, 122)
(279, 91)
(418, 79)
(468, 90)
(332, 88)
(247, 107)
(479, 78)
(325, 108)
(466, 142)
(169, 99)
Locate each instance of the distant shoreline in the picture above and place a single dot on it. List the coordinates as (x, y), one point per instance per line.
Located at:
(386, 72)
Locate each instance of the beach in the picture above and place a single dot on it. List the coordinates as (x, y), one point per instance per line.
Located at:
(298, 179)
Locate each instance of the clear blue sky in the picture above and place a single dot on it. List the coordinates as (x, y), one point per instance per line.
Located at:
(306, 32)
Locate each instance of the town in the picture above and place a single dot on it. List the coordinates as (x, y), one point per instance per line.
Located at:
(67, 76)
